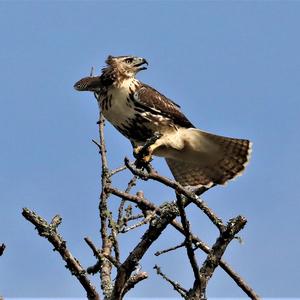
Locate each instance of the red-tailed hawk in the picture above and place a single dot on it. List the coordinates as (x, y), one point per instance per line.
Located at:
(196, 158)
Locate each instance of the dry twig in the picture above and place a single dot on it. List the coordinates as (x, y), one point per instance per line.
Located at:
(158, 253)
(177, 287)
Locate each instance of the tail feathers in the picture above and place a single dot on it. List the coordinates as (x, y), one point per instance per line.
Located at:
(211, 160)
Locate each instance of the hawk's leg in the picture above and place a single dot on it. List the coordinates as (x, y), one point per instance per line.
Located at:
(144, 153)
(137, 150)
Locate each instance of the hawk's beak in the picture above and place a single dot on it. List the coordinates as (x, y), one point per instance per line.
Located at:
(142, 61)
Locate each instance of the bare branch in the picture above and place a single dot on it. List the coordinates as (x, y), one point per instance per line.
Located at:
(98, 254)
(177, 287)
(214, 257)
(146, 220)
(93, 247)
(113, 236)
(188, 238)
(224, 265)
(105, 270)
(133, 217)
(133, 280)
(192, 197)
(49, 232)
(97, 266)
(147, 205)
(117, 170)
(156, 227)
(157, 253)
(130, 185)
(141, 202)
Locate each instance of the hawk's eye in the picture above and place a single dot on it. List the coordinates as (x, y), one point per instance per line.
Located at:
(128, 60)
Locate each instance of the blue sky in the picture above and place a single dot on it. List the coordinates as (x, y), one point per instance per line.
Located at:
(234, 67)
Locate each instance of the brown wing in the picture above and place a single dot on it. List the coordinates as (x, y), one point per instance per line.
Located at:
(151, 100)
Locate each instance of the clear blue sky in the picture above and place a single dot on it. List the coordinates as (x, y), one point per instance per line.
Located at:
(234, 67)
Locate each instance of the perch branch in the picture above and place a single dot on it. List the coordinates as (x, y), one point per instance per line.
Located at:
(192, 197)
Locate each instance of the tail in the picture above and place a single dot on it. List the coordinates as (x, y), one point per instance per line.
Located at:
(207, 159)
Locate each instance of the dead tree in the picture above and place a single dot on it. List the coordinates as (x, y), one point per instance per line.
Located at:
(134, 211)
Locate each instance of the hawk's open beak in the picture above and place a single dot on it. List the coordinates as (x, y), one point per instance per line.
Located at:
(143, 61)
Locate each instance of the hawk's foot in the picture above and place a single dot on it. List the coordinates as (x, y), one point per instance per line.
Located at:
(136, 151)
(143, 156)
(147, 158)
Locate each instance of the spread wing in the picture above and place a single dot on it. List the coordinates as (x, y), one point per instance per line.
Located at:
(151, 100)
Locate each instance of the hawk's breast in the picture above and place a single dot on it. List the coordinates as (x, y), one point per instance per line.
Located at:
(121, 110)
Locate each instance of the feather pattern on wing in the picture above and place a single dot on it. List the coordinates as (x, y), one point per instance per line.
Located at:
(155, 102)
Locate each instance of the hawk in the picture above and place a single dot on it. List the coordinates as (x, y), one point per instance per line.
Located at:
(196, 158)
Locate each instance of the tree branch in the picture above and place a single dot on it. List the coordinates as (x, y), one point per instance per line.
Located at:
(214, 257)
(133, 280)
(106, 266)
(188, 238)
(147, 205)
(158, 224)
(49, 231)
(130, 185)
(158, 253)
(177, 287)
(191, 197)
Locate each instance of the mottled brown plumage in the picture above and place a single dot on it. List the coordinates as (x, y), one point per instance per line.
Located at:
(196, 158)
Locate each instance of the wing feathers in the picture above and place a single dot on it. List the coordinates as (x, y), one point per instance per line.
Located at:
(152, 100)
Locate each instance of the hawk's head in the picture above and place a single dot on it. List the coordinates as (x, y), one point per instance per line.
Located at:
(126, 66)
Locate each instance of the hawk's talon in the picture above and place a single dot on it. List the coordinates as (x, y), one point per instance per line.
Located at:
(136, 151)
(143, 156)
(147, 158)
